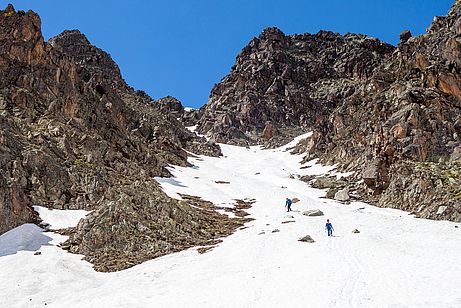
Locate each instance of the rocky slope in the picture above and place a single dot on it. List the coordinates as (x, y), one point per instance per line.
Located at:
(74, 135)
(391, 115)
(281, 85)
(401, 130)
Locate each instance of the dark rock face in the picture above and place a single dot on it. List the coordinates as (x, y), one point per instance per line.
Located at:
(292, 81)
(74, 135)
(170, 105)
(19, 50)
(401, 129)
(405, 36)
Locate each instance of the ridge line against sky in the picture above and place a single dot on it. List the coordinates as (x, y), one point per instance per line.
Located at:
(181, 48)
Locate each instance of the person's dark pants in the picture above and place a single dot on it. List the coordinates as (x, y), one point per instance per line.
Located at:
(330, 232)
(289, 208)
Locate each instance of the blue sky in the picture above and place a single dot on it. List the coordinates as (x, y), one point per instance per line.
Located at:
(181, 48)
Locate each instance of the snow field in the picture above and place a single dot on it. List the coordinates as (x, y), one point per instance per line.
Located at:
(396, 260)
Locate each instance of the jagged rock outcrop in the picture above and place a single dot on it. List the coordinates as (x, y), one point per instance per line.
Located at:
(281, 85)
(144, 224)
(74, 135)
(170, 105)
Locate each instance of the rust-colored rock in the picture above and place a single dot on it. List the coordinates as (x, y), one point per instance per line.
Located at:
(269, 131)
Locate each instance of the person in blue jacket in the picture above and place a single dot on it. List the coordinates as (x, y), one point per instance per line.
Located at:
(329, 228)
(288, 204)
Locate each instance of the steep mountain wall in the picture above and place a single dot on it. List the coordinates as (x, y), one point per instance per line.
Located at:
(281, 85)
(401, 130)
(74, 135)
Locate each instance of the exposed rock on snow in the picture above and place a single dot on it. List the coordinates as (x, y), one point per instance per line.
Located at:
(313, 213)
(342, 195)
(307, 239)
(156, 228)
(325, 182)
(355, 231)
(441, 209)
(331, 193)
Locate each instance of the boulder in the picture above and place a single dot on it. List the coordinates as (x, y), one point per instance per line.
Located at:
(370, 175)
(405, 35)
(324, 182)
(307, 239)
(355, 231)
(456, 154)
(441, 209)
(342, 195)
(331, 193)
(313, 213)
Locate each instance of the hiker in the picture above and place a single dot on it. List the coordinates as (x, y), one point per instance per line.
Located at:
(329, 228)
(288, 204)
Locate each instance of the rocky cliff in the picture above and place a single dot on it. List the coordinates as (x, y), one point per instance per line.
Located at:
(281, 85)
(401, 130)
(74, 135)
(390, 115)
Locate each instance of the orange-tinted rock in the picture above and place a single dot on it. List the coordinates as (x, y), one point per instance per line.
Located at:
(449, 84)
(269, 131)
(421, 61)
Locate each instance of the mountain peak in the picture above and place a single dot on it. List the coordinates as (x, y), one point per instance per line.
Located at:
(9, 10)
(26, 45)
(69, 37)
(271, 32)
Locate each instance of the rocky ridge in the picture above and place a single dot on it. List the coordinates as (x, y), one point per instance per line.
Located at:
(283, 84)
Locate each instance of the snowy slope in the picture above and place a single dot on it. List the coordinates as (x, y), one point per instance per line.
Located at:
(58, 219)
(27, 237)
(396, 260)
